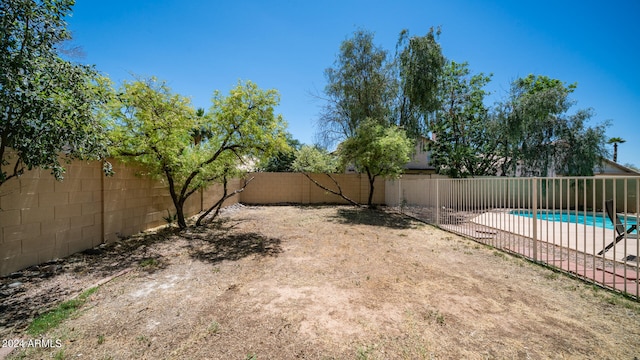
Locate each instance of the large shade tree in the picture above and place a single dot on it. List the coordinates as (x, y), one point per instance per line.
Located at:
(362, 95)
(539, 136)
(190, 150)
(49, 106)
(420, 64)
(465, 142)
(360, 86)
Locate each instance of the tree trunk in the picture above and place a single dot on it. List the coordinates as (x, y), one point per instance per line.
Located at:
(372, 179)
(615, 152)
(178, 201)
(182, 223)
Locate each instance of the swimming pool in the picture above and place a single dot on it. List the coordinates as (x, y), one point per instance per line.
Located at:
(569, 216)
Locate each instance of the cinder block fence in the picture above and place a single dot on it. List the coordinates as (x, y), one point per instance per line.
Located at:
(42, 219)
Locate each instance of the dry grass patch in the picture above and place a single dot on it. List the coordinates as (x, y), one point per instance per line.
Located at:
(339, 282)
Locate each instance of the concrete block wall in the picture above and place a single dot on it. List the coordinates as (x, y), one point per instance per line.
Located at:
(212, 194)
(270, 188)
(273, 188)
(42, 219)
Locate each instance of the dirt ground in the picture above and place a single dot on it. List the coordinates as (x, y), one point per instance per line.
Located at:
(293, 282)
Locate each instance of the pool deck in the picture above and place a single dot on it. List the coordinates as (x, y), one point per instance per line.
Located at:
(584, 238)
(570, 247)
(614, 270)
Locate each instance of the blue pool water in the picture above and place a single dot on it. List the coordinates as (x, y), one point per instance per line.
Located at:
(571, 217)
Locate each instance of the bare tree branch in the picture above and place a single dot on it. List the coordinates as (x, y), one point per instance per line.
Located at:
(218, 205)
(339, 192)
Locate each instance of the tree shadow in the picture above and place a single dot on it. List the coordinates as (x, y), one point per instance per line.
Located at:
(146, 252)
(130, 252)
(26, 293)
(373, 217)
(235, 246)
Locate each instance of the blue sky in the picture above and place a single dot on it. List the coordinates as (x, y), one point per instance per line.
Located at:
(199, 46)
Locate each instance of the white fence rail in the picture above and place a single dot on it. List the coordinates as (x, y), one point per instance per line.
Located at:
(561, 222)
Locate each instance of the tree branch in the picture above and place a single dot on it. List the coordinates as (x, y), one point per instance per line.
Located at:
(218, 205)
(339, 192)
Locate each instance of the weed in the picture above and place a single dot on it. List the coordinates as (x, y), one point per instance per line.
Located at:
(150, 262)
(436, 316)
(551, 276)
(143, 340)
(403, 205)
(572, 288)
(364, 352)
(214, 327)
(251, 357)
(100, 339)
(170, 219)
(53, 318)
(59, 355)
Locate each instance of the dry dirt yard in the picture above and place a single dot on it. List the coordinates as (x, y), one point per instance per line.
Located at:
(329, 283)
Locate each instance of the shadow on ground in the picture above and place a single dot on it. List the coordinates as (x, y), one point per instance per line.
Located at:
(373, 217)
(235, 247)
(25, 294)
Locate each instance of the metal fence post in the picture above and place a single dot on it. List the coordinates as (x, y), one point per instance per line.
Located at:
(437, 202)
(535, 218)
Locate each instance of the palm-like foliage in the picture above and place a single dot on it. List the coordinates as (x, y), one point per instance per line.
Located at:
(615, 141)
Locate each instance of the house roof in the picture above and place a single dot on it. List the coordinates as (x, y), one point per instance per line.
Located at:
(609, 168)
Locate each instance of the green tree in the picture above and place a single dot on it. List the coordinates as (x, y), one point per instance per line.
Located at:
(316, 160)
(283, 160)
(362, 91)
(464, 143)
(532, 121)
(378, 151)
(579, 148)
(50, 106)
(360, 86)
(537, 133)
(160, 130)
(615, 141)
(313, 159)
(420, 65)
